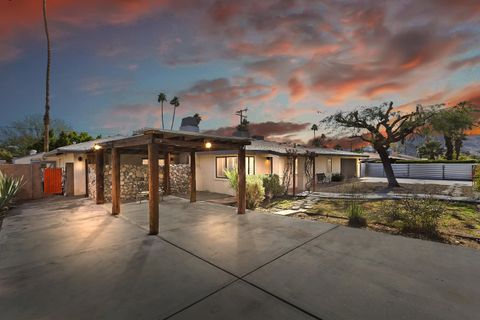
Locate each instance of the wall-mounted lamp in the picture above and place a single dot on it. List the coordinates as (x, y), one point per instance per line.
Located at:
(208, 145)
(97, 147)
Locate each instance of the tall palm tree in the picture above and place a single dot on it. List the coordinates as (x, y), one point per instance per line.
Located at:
(175, 103)
(46, 117)
(162, 97)
(314, 128)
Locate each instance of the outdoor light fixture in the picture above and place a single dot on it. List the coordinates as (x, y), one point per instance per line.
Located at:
(97, 147)
(208, 145)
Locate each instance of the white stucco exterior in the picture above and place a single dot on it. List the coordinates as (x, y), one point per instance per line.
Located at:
(79, 173)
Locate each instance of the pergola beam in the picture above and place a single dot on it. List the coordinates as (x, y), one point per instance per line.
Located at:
(193, 178)
(115, 181)
(166, 173)
(242, 181)
(99, 177)
(153, 197)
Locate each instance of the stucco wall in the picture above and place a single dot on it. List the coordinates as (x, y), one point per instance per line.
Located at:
(79, 174)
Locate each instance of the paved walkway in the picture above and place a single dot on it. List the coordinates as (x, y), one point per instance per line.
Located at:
(69, 259)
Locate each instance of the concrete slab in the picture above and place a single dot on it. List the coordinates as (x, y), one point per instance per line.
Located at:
(349, 273)
(241, 301)
(236, 243)
(96, 268)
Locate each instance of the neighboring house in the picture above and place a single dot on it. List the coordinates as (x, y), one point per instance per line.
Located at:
(266, 157)
(76, 156)
(32, 157)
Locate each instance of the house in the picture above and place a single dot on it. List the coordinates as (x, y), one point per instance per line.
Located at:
(32, 157)
(74, 158)
(263, 157)
(267, 157)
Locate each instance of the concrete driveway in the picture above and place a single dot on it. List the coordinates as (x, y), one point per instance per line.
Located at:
(69, 259)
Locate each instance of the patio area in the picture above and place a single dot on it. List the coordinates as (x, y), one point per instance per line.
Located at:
(64, 258)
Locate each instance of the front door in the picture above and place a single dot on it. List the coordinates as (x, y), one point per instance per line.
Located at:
(52, 181)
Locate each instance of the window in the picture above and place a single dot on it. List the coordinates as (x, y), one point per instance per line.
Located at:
(329, 165)
(228, 163)
(161, 162)
(269, 165)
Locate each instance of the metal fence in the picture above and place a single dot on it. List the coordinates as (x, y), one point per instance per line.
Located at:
(435, 171)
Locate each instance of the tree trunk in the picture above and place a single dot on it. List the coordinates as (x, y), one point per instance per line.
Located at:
(448, 147)
(458, 147)
(163, 125)
(387, 166)
(46, 117)
(173, 118)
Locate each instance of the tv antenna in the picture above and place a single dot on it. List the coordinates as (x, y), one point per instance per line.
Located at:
(242, 114)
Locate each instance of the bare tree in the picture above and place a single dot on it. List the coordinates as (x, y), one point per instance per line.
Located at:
(380, 126)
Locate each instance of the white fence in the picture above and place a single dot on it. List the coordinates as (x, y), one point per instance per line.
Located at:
(435, 171)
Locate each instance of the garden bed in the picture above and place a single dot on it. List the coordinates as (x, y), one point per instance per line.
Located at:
(380, 187)
(459, 224)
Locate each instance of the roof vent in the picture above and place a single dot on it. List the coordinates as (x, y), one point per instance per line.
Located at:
(33, 152)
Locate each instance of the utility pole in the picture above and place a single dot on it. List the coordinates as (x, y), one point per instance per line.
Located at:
(242, 114)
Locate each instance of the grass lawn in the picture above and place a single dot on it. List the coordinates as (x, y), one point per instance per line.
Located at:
(458, 222)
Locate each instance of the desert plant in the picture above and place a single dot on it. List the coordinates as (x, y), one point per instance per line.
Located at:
(273, 186)
(9, 187)
(255, 192)
(336, 177)
(354, 210)
(420, 215)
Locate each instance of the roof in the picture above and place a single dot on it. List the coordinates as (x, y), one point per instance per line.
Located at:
(31, 157)
(396, 156)
(82, 147)
(281, 149)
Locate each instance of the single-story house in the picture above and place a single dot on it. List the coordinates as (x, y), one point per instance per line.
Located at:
(263, 157)
(267, 157)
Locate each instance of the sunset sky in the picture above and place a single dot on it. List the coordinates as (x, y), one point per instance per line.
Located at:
(284, 60)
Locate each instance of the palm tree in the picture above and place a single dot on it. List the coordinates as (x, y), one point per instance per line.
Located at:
(175, 103)
(314, 128)
(162, 97)
(46, 117)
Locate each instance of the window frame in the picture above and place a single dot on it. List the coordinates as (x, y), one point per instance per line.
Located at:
(247, 165)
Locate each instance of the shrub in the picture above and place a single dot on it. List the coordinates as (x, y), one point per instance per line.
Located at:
(337, 177)
(355, 215)
(419, 215)
(255, 192)
(9, 187)
(273, 186)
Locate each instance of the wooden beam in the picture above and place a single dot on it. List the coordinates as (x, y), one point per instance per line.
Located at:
(200, 145)
(166, 174)
(115, 181)
(294, 175)
(99, 176)
(242, 182)
(153, 198)
(314, 179)
(193, 178)
(129, 142)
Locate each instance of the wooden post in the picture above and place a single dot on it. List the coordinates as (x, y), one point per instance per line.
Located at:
(99, 176)
(166, 174)
(293, 174)
(193, 178)
(314, 179)
(153, 188)
(115, 181)
(242, 181)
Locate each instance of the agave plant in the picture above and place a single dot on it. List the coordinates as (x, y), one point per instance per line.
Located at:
(9, 187)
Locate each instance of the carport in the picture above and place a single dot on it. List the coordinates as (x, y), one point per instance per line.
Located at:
(153, 141)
